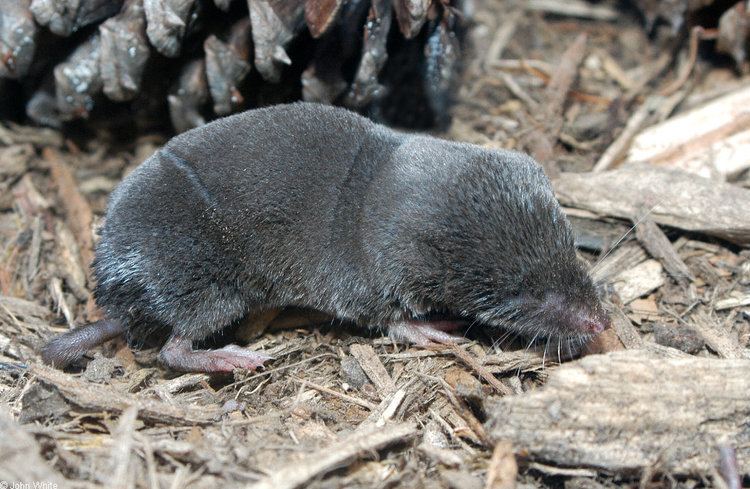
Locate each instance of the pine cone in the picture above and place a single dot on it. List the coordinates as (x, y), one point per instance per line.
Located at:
(205, 59)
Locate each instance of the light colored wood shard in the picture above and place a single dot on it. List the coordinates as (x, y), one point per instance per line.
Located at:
(739, 300)
(638, 281)
(573, 8)
(628, 410)
(711, 140)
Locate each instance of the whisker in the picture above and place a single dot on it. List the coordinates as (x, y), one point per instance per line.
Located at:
(531, 342)
(614, 246)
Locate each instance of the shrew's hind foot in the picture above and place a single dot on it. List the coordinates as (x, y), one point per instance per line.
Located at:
(178, 354)
(422, 333)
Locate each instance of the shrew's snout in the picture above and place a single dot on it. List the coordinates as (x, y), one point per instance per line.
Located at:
(591, 323)
(572, 318)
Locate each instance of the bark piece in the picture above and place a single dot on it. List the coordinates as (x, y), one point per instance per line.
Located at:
(17, 43)
(628, 410)
(70, 266)
(124, 52)
(685, 201)
(366, 87)
(323, 81)
(189, 96)
(710, 140)
(483, 372)
(352, 373)
(227, 64)
(658, 245)
(78, 80)
(502, 471)
(167, 23)
(274, 23)
(321, 14)
(411, 15)
(42, 403)
(64, 17)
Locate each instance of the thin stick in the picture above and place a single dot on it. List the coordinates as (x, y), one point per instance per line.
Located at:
(471, 362)
(340, 395)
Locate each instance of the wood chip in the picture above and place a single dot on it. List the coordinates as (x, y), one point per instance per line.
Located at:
(296, 473)
(95, 397)
(619, 260)
(476, 428)
(627, 410)
(685, 200)
(374, 369)
(732, 302)
(708, 140)
(638, 281)
(605, 342)
(541, 140)
(718, 337)
(625, 330)
(20, 462)
(77, 210)
(503, 470)
(122, 449)
(573, 8)
(658, 245)
(69, 263)
(474, 364)
(524, 361)
(340, 395)
(444, 456)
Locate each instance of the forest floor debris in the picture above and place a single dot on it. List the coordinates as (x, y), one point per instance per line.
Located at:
(340, 407)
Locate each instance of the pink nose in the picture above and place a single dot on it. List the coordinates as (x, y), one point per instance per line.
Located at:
(593, 326)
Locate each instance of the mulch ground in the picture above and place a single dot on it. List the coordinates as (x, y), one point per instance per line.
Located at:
(340, 407)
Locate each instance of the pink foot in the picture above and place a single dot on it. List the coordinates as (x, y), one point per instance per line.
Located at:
(422, 333)
(178, 354)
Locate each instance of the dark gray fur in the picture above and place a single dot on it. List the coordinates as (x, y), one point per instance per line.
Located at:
(314, 206)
